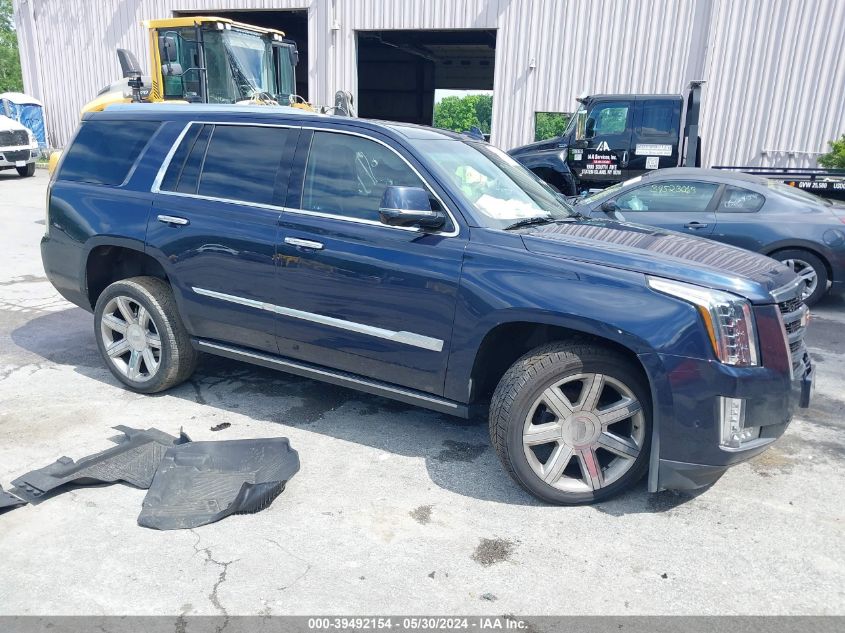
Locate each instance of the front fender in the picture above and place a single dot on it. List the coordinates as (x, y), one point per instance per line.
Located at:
(502, 283)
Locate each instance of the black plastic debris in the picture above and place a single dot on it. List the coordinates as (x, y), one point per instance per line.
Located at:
(202, 482)
(134, 460)
(8, 500)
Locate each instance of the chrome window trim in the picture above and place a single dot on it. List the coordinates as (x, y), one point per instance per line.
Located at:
(404, 337)
(156, 186)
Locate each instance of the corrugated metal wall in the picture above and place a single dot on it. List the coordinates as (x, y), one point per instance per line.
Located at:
(775, 68)
(776, 81)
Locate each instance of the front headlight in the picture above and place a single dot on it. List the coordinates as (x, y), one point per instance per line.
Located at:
(727, 319)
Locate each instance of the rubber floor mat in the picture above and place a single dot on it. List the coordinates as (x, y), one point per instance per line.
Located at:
(134, 460)
(8, 500)
(202, 482)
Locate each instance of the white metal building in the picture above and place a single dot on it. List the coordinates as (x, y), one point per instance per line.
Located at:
(775, 69)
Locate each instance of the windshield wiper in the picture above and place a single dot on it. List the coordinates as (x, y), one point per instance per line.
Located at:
(540, 219)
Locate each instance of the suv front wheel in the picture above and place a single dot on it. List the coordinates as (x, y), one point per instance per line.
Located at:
(141, 336)
(571, 423)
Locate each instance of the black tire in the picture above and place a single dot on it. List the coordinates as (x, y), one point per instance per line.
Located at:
(531, 376)
(177, 359)
(818, 266)
(27, 171)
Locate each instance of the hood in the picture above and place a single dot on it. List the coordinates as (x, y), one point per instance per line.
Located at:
(7, 124)
(548, 144)
(662, 253)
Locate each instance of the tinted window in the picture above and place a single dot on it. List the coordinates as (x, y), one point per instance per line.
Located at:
(660, 118)
(607, 118)
(347, 175)
(671, 195)
(241, 162)
(179, 159)
(104, 151)
(736, 199)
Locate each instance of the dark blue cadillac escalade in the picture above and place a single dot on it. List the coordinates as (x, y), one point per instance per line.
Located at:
(427, 267)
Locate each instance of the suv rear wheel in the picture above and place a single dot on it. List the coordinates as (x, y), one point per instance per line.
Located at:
(571, 423)
(141, 336)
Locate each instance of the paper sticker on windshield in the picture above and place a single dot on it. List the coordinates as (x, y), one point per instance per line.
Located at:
(652, 162)
(649, 149)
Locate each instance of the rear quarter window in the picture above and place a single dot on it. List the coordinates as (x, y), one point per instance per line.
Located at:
(103, 152)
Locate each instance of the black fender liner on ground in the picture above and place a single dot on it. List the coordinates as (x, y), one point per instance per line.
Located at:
(8, 500)
(134, 460)
(202, 482)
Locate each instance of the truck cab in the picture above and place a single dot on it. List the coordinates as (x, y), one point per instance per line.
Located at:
(611, 138)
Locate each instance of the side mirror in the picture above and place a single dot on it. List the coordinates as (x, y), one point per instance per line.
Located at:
(611, 210)
(409, 206)
(590, 131)
(167, 45)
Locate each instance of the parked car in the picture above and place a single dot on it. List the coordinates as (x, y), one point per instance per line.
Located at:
(431, 268)
(18, 147)
(805, 232)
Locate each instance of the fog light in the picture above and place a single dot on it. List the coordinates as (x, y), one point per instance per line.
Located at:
(733, 422)
(750, 433)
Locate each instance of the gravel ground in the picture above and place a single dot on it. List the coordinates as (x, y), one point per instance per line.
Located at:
(396, 509)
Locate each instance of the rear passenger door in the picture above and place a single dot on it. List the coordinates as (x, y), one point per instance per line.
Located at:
(687, 206)
(214, 224)
(355, 294)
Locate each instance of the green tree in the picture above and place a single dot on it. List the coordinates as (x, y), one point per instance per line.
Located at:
(835, 158)
(455, 113)
(10, 62)
(483, 106)
(549, 124)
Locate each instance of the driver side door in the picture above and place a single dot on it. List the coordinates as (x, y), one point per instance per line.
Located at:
(360, 296)
(687, 206)
(605, 142)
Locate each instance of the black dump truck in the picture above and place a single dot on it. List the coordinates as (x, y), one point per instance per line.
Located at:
(612, 138)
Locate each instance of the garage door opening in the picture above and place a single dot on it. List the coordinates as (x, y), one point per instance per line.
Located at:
(399, 71)
(293, 23)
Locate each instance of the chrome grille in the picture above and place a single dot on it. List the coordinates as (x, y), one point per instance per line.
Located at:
(794, 312)
(10, 138)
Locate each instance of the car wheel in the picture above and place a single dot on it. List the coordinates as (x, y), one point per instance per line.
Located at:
(141, 337)
(571, 423)
(810, 268)
(28, 170)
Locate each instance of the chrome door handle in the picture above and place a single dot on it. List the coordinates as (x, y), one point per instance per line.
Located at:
(696, 225)
(172, 219)
(295, 241)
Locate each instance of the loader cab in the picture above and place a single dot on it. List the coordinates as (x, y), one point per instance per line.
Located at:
(612, 138)
(214, 60)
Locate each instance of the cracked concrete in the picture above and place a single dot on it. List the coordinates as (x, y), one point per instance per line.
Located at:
(391, 503)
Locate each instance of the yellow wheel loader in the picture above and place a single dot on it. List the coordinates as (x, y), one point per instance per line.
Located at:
(207, 60)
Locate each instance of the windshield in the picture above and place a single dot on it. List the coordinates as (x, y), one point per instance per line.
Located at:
(251, 61)
(500, 189)
(606, 193)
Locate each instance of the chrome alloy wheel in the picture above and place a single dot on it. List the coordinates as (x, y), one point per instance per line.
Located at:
(807, 273)
(130, 338)
(584, 432)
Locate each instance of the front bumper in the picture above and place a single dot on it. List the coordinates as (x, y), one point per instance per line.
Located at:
(17, 156)
(686, 452)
